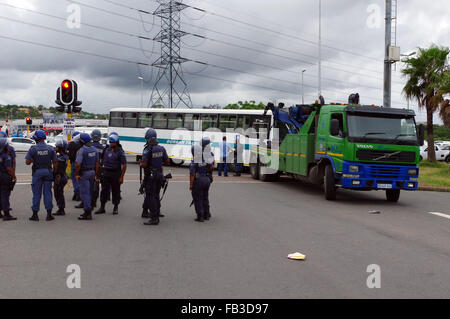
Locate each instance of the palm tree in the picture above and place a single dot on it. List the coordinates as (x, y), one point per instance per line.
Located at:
(425, 74)
(445, 106)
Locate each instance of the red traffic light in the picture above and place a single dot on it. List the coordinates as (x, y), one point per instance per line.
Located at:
(66, 84)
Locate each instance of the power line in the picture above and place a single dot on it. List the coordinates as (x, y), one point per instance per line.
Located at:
(248, 40)
(192, 49)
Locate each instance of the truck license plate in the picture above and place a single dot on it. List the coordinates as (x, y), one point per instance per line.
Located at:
(385, 186)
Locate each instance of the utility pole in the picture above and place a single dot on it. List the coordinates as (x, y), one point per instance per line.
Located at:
(320, 48)
(387, 63)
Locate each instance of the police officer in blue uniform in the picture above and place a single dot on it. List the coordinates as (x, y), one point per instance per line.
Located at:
(7, 180)
(200, 182)
(208, 156)
(43, 158)
(86, 167)
(153, 157)
(96, 136)
(72, 150)
(60, 178)
(10, 149)
(114, 166)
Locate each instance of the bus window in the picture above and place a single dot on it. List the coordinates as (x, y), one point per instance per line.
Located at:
(189, 120)
(130, 119)
(145, 120)
(116, 119)
(243, 122)
(160, 121)
(175, 121)
(227, 122)
(259, 121)
(209, 121)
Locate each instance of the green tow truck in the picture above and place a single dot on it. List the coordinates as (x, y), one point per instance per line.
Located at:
(346, 146)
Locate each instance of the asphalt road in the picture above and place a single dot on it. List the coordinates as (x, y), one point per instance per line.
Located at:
(240, 253)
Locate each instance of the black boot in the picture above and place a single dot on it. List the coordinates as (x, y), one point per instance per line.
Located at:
(35, 217)
(101, 210)
(145, 213)
(60, 212)
(86, 216)
(152, 222)
(80, 205)
(49, 216)
(200, 218)
(208, 216)
(116, 209)
(8, 216)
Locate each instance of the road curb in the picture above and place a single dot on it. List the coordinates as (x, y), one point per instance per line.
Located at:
(434, 189)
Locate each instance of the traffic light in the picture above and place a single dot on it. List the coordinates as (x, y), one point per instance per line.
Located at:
(67, 96)
(29, 121)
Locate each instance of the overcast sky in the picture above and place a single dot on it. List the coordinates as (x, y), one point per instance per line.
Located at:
(352, 30)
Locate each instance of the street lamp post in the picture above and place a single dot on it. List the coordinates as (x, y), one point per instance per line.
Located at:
(142, 90)
(303, 88)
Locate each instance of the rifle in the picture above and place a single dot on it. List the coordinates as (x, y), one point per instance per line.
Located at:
(165, 184)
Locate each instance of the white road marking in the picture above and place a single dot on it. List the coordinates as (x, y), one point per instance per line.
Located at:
(440, 215)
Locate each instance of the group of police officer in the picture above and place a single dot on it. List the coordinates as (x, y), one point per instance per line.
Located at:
(93, 165)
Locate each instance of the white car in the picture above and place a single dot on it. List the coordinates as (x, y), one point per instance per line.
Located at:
(51, 140)
(21, 144)
(442, 153)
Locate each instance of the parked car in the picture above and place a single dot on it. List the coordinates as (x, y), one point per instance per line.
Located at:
(442, 153)
(21, 144)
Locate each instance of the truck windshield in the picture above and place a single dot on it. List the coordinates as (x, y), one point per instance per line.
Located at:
(395, 130)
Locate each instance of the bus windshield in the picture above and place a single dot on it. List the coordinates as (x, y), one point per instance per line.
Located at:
(392, 130)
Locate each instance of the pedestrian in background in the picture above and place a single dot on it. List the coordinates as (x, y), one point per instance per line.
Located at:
(43, 158)
(223, 164)
(238, 156)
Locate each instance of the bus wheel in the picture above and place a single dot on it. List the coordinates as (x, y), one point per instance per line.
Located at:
(393, 195)
(329, 183)
(177, 163)
(254, 170)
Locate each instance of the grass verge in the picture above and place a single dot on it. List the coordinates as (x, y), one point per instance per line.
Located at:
(435, 174)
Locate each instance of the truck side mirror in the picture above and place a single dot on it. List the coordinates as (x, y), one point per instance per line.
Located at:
(334, 127)
(421, 135)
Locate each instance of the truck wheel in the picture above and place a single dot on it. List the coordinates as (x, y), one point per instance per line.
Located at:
(393, 195)
(447, 159)
(329, 183)
(254, 170)
(265, 177)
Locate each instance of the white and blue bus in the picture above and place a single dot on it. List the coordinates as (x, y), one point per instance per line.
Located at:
(178, 129)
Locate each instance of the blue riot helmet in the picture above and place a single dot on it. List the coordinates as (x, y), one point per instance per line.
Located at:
(3, 143)
(151, 136)
(113, 138)
(96, 135)
(3, 134)
(61, 144)
(39, 135)
(85, 138)
(75, 134)
(205, 142)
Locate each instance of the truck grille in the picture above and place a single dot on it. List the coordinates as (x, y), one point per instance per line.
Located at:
(384, 172)
(371, 155)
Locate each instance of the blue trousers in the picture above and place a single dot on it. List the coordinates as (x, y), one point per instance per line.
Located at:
(152, 191)
(86, 186)
(5, 192)
(42, 183)
(223, 166)
(200, 194)
(76, 187)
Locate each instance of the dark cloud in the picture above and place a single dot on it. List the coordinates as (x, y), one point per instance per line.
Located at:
(29, 74)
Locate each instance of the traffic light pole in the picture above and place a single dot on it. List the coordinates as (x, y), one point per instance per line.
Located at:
(28, 131)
